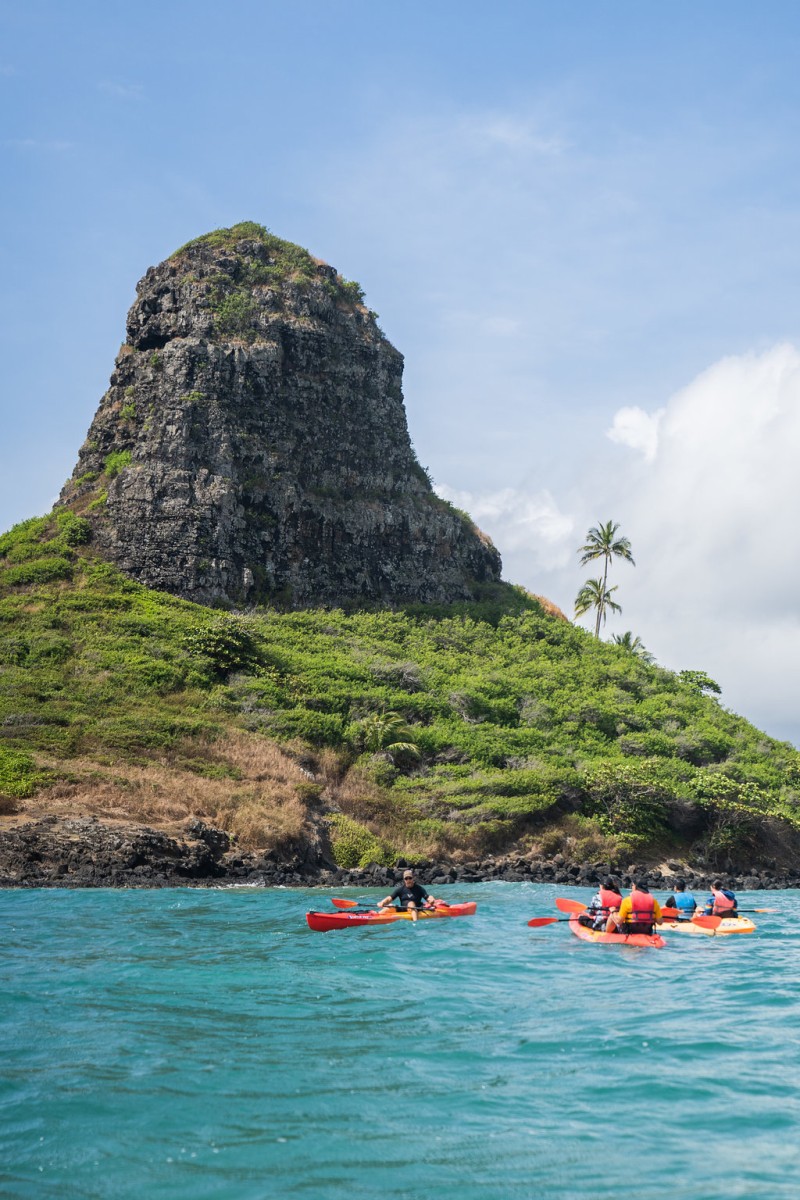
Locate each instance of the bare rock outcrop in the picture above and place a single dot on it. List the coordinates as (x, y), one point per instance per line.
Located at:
(253, 444)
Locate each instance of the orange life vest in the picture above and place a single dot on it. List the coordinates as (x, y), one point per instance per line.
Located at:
(643, 912)
(609, 899)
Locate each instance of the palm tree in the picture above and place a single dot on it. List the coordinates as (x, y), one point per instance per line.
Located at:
(388, 731)
(602, 542)
(593, 594)
(634, 645)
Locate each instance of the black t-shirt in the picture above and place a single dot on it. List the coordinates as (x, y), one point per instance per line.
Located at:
(404, 893)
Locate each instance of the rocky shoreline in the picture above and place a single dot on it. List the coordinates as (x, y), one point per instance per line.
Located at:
(86, 853)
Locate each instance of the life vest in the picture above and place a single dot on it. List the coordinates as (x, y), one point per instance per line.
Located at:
(643, 912)
(685, 902)
(723, 905)
(609, 899)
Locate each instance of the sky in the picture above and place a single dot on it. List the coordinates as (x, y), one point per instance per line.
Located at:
(578, 221)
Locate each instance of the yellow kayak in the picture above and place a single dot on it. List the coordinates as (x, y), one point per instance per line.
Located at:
(726, 925)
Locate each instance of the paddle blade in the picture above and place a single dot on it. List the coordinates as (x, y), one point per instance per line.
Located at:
(570, 906)
(707, 922)
(535, 922)
(344, 903)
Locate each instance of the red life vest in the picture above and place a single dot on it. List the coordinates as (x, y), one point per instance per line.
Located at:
(643, 910)
(722, 903)
(609, 899)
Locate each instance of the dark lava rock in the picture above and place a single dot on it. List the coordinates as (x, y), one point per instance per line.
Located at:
(253, 442)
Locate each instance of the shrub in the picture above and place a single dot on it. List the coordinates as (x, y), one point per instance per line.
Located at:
(235, 316)
(74, 530)
(43, 570)
(629, 800)
(351, 291)
(354, 845)
(116, 461)
(19, 775)
(699, 681)
(228, 645)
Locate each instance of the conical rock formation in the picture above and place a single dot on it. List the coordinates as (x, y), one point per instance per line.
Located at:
(253, 445)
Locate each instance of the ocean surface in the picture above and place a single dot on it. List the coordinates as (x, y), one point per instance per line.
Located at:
(201, 1044)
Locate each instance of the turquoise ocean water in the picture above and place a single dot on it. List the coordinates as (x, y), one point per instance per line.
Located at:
(207, 1044)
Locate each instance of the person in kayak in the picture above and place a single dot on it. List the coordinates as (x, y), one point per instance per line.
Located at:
(607, 899)
(638, 912)
(410, 896)
(721, 902)
(682, 900)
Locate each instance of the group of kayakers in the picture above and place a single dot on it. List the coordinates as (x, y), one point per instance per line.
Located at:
(610, 912)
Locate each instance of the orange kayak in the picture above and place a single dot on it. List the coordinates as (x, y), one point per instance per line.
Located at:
(325, 921)
(727, 925)
(614, 939)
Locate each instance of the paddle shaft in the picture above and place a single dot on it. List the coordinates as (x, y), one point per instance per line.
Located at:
(338, 902)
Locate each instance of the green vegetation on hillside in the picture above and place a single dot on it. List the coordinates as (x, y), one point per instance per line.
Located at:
(459, 729)
(262, 260)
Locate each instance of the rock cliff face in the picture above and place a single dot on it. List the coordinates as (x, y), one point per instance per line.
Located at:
(253, 445)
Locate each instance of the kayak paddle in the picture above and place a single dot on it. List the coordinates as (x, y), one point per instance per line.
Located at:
(340, 903)
(769, 910)
(707, 922)
(570, 906)
(535, 922)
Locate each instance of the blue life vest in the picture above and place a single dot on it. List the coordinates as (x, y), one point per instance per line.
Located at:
(685, 901)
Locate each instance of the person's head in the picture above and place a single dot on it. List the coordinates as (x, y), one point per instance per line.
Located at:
(610, 884)
(717, 884)
(639, 885)
(680, 885)
(408, 876)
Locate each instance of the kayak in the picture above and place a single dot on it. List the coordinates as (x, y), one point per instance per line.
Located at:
(726, 925)
(324, 921)
(614, 939)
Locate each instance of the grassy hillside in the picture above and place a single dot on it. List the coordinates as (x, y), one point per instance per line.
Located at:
(457, 731)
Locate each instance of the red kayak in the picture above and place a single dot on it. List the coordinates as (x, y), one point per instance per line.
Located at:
(614, 939)
(324, 921)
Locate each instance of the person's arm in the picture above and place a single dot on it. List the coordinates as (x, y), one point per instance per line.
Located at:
(709, 906)
(427, 899)
(657, 911)
(390, 898)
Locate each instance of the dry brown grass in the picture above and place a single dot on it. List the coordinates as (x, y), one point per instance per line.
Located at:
(579, 839)
(261, 802)
(549, 607)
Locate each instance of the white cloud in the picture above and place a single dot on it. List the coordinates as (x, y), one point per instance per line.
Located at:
(635, 428)
(54, 146)
(512, 132)
(124, 91)
(713, 524)
(713, 527)
(520, 523)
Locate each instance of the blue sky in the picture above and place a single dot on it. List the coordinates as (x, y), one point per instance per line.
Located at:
(578, 221)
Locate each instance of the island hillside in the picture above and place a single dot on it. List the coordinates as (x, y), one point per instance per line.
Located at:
(251, 644)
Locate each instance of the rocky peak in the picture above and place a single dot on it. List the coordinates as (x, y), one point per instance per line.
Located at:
(253, 444)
